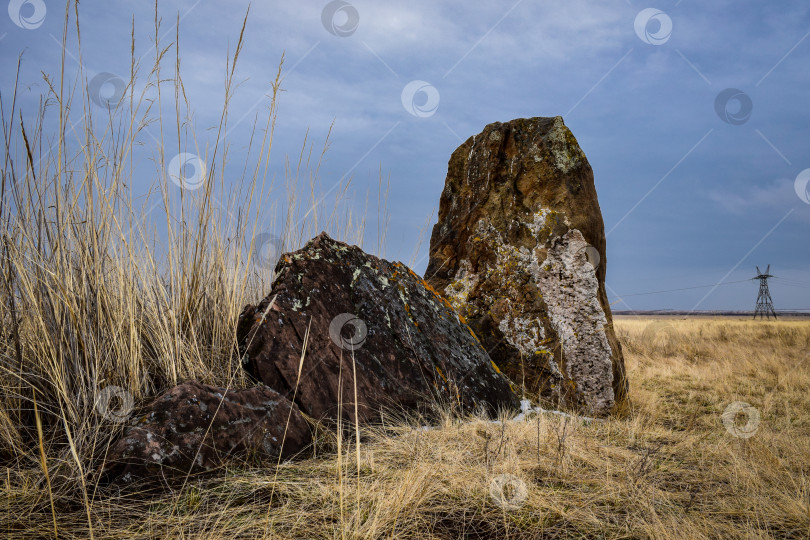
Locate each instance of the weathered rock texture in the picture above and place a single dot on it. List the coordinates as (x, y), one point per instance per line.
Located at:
(193, 427)
(519, 250)
(408, 345)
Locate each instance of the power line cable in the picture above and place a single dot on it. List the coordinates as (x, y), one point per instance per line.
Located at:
(682, 289)
(793, 281)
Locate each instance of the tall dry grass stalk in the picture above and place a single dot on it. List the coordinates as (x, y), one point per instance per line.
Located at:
(102, 304)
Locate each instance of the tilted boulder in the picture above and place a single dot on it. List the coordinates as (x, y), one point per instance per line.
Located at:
(519, 250)
(371, 326)
(194, 427)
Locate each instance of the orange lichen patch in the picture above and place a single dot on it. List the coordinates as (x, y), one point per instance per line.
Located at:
(461, 318)
(473, 335)
(427, 286)
(439, 371)
(287, 259)
(495, 366)
(447, 303)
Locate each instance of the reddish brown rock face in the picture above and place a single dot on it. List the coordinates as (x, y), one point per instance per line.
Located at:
(373, 325)
(519, 250)
(194, 427)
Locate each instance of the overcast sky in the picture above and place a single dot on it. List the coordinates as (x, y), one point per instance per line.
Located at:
(695, 116)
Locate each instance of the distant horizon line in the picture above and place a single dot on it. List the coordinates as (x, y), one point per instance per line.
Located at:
(706, 311)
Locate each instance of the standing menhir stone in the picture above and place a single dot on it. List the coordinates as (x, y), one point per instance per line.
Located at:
(519, 250)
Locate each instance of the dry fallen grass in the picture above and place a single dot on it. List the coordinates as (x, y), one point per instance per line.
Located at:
(668, 469)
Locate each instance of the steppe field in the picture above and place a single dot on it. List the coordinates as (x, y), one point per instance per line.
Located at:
(714, 444)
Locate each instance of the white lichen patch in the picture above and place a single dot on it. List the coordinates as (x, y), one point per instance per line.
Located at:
(566, 156)
(570, 289)
(525, 334)
(459, 289)
(520, 329)
(540, 221)
(535, 153)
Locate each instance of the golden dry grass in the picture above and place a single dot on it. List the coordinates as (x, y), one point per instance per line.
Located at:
(669, 468)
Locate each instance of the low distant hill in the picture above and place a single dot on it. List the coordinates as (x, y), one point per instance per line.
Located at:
(660, 312)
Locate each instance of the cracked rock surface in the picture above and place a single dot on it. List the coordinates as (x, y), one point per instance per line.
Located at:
(519, 251)
(371, 322)
(193, 427)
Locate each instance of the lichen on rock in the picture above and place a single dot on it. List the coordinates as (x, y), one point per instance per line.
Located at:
(518, 208)
(416, 349)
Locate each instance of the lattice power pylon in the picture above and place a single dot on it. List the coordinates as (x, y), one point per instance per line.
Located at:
(764, 302)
